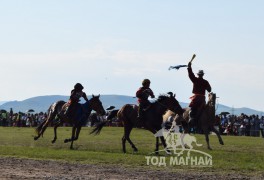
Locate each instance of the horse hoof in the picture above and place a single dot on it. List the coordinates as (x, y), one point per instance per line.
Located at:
(209, 148)
(36, 138)
(135, 150)
(66, 140)
(156, 152)
(53, 141)
(222, 143)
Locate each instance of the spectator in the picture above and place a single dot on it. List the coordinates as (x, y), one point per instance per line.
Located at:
(252, 125)
(257, 128)
(4, 118)
(247, 125)
(261, 126)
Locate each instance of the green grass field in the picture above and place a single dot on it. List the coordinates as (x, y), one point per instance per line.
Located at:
(239, 154)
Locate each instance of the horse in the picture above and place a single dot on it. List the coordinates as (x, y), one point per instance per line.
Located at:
(80, 116)
(205, 119)
(152, 118)
(93, 119)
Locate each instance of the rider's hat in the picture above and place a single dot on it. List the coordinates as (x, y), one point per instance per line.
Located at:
(78, 86)
(200, 72)
(145, 82)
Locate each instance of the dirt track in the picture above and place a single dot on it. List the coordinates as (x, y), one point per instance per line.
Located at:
(12, 168)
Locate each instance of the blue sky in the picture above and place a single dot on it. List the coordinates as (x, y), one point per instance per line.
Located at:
(110, 46)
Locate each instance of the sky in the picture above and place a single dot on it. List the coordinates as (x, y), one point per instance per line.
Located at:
(110, 46)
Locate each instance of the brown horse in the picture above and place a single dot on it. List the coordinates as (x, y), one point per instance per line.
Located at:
(77, 121)
(152, 118)
(205, 120)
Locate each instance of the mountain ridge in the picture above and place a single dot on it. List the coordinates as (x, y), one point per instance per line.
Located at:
(42, 103)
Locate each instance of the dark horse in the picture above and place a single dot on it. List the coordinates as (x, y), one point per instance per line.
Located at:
(205, 119)
(77, 121)
(152, 118)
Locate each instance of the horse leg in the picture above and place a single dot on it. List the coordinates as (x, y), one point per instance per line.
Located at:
(38, 129)
(124, 144)
(42, 129)
(218, 135)
(73, 136)
(157, 146)
(128, 129)
(206, 133)
(55, 132)
(132, 145)
(78, 130)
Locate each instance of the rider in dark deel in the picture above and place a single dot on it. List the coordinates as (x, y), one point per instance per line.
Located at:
(200, 85)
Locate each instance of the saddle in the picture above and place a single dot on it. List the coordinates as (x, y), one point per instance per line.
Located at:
(144, 110)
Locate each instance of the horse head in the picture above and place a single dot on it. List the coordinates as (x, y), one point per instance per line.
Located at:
(170, 102)
(210, 106)
(96, 105)
(211, 99)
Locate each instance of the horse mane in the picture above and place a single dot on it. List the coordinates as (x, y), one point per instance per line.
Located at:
(162, 97)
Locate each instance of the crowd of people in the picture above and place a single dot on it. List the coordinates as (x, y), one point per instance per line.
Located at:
(242, 125)
(21, 119)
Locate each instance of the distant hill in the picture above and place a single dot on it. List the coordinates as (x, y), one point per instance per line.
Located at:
(2, 102)
(39, 103)
(42, 103)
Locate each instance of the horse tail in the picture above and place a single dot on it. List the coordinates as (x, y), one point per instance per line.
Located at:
(54, 108)
(38, 129)
(100, 125)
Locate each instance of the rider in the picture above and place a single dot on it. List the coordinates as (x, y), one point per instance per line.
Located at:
(200, 86)
(142, 94)
(76, 94)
